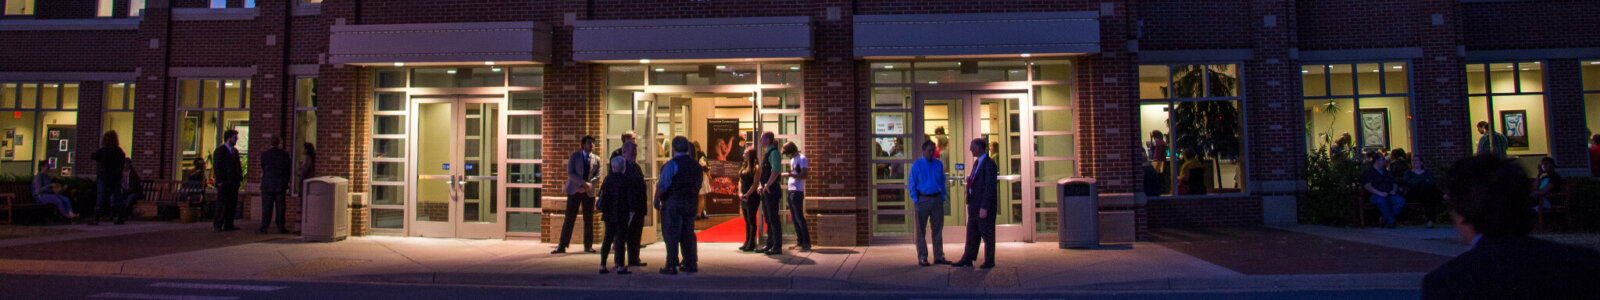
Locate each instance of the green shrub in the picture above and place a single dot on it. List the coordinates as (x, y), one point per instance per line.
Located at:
(1332, 183)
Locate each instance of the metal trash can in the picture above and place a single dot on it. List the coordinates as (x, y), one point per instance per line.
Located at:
(1078, 212)
(327, 210)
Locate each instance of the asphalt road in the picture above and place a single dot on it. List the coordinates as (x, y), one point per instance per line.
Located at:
(28, 286)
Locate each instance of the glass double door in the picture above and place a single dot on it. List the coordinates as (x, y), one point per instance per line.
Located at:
(952, 120)
(456, 153)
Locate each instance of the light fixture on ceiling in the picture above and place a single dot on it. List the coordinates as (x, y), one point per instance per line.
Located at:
(933, 82)
(1594, 62)
(1027, 55)
(1399, 67)
(661, 69)
(644, 61)
(1305, 71)
(450, 71)
(495, 69)
(794, 68)
(721, 67)
(888, 66)
(749, 59)
(1374, 71)
(488, 63)
(399, 64)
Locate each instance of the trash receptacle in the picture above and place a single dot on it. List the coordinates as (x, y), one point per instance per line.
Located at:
(327, 210)
(1078, 212)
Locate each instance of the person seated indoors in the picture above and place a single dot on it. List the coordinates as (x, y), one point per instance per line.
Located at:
(46, 192)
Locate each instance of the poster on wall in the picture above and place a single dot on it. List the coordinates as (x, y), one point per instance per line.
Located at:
(1375, 129)
(243, 127)
(58, 149)
(889, 124)
(723, 162)
(1514, 124)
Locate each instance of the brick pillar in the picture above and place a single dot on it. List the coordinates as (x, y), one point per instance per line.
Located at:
(153, 144)
(342, 141)
(1108, 106)
(1569, 136)
(573, 109)
(836, 119)
(91, 96)
(1274, 123)
(1439, 85)
(269, 94)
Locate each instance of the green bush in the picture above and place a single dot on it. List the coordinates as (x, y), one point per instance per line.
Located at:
(1332, 183)
(1585, 200)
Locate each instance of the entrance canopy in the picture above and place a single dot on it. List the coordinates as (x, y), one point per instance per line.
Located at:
(883, 36)
(440, 43)
(692, 39)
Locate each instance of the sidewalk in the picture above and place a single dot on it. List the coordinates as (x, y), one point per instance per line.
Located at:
(1022, 267)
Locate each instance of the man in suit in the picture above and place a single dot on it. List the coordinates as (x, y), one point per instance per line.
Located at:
(229, 175)
(275, 174)
(677, 196)
(583, 174)
(623, 189)
(635, 229)
(1493, 213)
(982, 203)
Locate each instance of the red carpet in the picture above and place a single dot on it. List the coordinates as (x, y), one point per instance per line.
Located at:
(731, 231)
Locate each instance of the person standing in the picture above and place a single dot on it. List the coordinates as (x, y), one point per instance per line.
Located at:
(306, 169)
(798, 171)
(676, 195)
(927, 183)
(1385, 194)
(635, 230)
(44, 192)
(1489, 205)
(749, 201)
(229, 175)
(1491, 143)
(132, 191)
(583, 173)
(770, 170)
(108, 178)
(1421, 187)
(275, 176)
(982, 202)
(622, 186)
(1547, 183)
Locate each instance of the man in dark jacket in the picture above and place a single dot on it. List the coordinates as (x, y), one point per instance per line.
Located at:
(1493, 213)
(620, 192)
(677, 196)
(229, 175)
(275, 173)
(982, 204)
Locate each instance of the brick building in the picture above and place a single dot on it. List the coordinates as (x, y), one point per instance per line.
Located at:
(446, 114)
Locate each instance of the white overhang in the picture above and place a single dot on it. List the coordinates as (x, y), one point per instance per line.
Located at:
(977, 34)
(692, 39)
(440, 43)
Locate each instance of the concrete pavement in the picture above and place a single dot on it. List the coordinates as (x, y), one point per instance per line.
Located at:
(1022, 267)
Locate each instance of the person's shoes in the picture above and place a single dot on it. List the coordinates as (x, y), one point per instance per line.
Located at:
(962, 264)
(559, 251)
(689, 269)
(262, 230)
(923, 262)
(805, 248)
(621, 270)
(588, 250)
(93, 222)
(987, 265)
(774, 251)
(603, 270)
(638, 264)
(282, 230)
(230, 228)
(942, 262)
(669, 271)
(117, 222)
(746, 249)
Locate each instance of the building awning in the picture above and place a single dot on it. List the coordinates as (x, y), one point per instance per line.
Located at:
(977, 34)
(440, 43)
(692, 39)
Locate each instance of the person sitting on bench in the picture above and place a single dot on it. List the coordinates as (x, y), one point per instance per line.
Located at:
(44, 191)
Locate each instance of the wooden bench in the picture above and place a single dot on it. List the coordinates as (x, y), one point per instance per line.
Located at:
(16, 209)
(1560, 203)
(172, 193)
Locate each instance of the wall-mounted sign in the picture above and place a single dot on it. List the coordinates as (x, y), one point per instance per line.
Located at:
(889, 124)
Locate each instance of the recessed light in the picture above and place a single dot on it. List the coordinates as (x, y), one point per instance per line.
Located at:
(794, 68)
(888, 67)
(749, 59)
(488, 63)
(722, 67)
(451, 71)
(644, 61)
(1524, 69)
(399, 64)
(1399, 67)
(933, 82)
(495, 69)
(1305, 71)
(661, 69)
(1026, 55)
(1594, 62)
(1374, 71)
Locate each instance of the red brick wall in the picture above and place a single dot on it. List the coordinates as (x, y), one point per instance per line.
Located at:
(90, 96)
(1274, 123)
(219, 44)
(152, 136)
(1352, 24)
(1231, 211)
(1530, 24)
(1569, 136)
(907, 7)
(69, 51)
(1439, 84)
(1182, 24)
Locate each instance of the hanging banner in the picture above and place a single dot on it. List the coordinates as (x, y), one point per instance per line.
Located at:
(723, 161)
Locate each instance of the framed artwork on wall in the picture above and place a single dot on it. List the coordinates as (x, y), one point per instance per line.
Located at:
(1514, 124)
(1374, 128)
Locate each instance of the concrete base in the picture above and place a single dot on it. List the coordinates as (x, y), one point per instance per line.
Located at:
(1280, 210)
(1117, 226)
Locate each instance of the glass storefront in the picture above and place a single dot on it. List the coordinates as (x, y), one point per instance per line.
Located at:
(1357, 107)
(1191, 128)
(118, 113)
(305, 124)
(1023, 108)
(456, 151)
(1509, 97)
(1591, 101)
(207, 109)
(39, 124)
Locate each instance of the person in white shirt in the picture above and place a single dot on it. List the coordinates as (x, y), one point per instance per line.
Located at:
(798, 171)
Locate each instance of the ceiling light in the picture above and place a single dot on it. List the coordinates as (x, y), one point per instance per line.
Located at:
(228, 84)
(722, 67)
(1524, 69)
(1305, 71)
(1374, 71)
(1399, 67)
(451, 71)
(488, 63)
(749, 59)
(794, 68)
(1026, 55)
(495, 69)
(888, 67)
(661, 69)
(644, 61)
(1594, 62)
(933, 82)
(399, 64)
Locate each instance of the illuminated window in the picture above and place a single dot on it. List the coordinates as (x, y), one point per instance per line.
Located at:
(19, 7)
(103, 9)
(1190, 127)
(38, 122)
(1359, 107)
(206, 109)
(1591, 106)
(118, 113)
(1509, 98)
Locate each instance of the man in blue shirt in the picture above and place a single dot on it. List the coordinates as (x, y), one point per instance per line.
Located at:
(927, 189)
(677, 195)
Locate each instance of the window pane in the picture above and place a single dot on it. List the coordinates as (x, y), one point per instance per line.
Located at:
(1367, 79)
(390, 102)
(49, 95)
(1153, 129)
(1053, 170)
(525, 124)
(487, 76)
(1520, 118)
(525, 222)
(8, 95)
(210, 93)
(388, 171)
(1052, 120)
(305, 92)
(69, 96)
(970, 71)
(1046, 219)
(525, 173)
(20, 162)
(1591, 106)
(1207, 137)
(1475, 79)
(30, 96)
(527, 76)
(625, 75)
(889, 147)
(1313, 80)
(388, 218)
(235, 93)
(1384, 123)
(781, 74)
(891, 72)
(520, 197)
(1328, 122)
(1532, 77)
(781, 98)
(889, 172)
(1153, 82)
(1501, 79)
(1052, 70)
(388, 195)
(890, 97)
(702, 74)
(390, 78)
(122, 123)
(1591, 75)
(1341, 81)
(1395, 78)
(388, 148)
(523, 149)
(1053, 95)
(1054, 145)
(114, 96)
(890, 199)
(1224, 80)
(527, 101)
